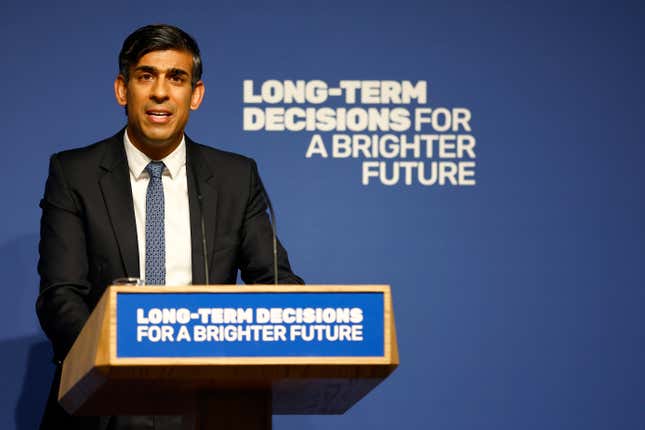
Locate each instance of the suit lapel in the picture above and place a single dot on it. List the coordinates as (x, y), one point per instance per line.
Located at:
(200, 181)
(117, 194)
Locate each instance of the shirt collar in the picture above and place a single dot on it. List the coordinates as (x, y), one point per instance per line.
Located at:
(137, 160)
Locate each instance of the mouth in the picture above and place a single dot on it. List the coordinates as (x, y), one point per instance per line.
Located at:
(158, 116)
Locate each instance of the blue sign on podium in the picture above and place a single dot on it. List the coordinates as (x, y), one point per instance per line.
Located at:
(249, 324)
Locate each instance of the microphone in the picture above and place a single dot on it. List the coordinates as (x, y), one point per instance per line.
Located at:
(203, 228)
(274, 231)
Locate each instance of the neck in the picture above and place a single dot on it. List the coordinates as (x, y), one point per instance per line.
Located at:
(156, 150)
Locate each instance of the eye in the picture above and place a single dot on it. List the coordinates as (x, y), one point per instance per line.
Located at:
(146, 77)
(177, 78)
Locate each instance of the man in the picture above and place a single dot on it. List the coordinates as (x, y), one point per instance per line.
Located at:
(133, 205)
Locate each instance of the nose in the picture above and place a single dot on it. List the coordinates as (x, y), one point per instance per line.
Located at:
(159, 91)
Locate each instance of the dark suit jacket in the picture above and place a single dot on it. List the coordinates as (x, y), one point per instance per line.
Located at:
(88, 235)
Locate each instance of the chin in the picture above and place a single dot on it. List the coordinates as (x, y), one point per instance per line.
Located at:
(160, 139)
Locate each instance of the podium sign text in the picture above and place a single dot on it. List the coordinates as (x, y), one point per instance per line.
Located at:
(250, 324)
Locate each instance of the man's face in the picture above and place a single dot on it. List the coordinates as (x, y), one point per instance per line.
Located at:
(159, 98)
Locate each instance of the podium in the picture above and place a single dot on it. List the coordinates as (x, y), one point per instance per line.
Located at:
(228, 357)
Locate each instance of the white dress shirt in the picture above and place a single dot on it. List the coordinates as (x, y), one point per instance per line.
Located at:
(176, 210)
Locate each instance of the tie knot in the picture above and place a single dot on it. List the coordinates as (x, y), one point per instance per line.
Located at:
(155, 168)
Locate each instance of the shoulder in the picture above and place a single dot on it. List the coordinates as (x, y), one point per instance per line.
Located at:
(81, 166)
(221, 163)
(91, 154)
(218, 156)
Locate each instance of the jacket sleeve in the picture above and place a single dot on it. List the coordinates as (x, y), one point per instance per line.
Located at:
(63, 265)
(256, 260)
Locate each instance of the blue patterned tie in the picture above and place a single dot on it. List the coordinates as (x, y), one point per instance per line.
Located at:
(155, 237)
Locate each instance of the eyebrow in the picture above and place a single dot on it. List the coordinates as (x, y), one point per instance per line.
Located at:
(172, 71)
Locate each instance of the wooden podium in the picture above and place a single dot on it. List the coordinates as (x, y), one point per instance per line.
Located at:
(213, 387)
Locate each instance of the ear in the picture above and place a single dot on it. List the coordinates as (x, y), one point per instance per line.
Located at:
(121, 90)
(197, 96)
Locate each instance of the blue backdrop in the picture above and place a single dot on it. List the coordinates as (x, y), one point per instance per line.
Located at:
(519, 302)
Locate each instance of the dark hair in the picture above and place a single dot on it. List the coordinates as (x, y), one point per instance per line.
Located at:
(158, 37)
